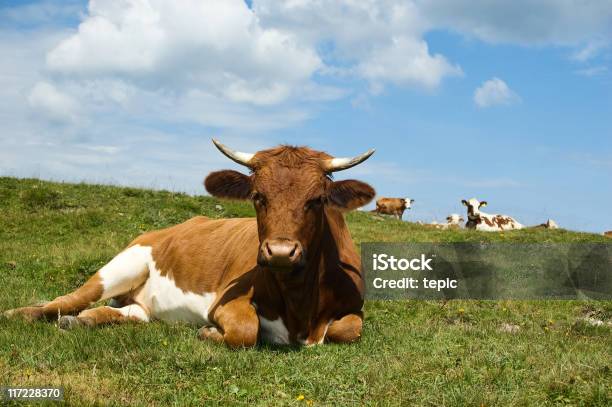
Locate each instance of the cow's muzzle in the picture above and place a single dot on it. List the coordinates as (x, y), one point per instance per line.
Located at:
(280, 253)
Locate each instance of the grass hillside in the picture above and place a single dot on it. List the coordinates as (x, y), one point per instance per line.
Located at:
(54, 236)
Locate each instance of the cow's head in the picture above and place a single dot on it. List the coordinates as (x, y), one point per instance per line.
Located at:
(290, 188)
(408, 202)
(473, 207)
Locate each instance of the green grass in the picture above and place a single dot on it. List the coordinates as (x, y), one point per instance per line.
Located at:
(53, 236)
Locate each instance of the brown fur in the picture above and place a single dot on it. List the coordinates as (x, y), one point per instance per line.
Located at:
(608, 233)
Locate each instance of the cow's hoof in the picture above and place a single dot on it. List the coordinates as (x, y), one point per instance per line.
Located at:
(27, 313)
(68, 322)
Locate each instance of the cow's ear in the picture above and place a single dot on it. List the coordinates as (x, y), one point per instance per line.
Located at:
(464, 202)
(228, 184)
(350, 194)
(412, 201)
(483, 203)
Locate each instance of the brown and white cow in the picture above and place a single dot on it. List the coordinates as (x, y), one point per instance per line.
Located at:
(608, 233)
(486, 222)
(289, 276)
(393, 206)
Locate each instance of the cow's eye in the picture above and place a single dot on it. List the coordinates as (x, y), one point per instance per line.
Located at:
(259, 199)
(313, 203)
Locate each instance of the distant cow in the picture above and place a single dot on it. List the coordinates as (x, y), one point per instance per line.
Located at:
(486, 222)
(393, 206)
(549, 224)
(608, 233)
(289, 276)
(453, 221)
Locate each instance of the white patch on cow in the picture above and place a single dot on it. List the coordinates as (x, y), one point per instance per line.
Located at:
(273, 331)
(322, 339)
(159, 295)
(134, 311)
(408, 203)
(126, 271)
(167, 302)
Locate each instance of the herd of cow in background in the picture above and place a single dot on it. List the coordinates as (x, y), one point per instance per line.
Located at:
(476, 219)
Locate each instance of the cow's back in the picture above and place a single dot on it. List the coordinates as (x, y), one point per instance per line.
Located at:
(203, 254)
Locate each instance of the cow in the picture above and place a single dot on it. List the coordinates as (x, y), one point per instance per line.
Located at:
(549, 224)
(291, 275)
(486, 222)
(393, 206)
(608, 233)
(453, 221)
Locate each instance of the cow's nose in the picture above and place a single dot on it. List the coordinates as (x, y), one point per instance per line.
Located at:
(280, 252)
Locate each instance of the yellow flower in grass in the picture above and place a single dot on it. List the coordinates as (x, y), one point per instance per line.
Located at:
(300, 397)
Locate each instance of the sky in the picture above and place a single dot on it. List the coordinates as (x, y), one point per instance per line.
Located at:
(508, 102)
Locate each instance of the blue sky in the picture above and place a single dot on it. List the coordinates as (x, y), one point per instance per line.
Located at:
(509, 103)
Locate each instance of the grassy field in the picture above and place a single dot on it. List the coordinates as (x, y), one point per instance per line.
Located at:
(53, 236)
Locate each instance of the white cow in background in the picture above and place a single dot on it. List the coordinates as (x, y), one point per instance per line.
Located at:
(487, 222)
(453, 221)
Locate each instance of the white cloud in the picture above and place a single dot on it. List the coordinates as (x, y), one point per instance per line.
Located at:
(592, 71)
(526, 22)
(589, 51)
(494, 92)
(218, 46)
(380, 41)
(54, 104)
(407, 61)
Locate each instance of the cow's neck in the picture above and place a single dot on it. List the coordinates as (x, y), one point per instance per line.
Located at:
(300, 292)
(300, 295)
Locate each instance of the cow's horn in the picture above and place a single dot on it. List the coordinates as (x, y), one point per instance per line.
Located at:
(344, 163)
(237, 156)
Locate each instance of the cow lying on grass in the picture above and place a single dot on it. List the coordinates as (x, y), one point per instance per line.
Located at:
(289, 276)
(393, 206)
(453, 221)
(486, 222)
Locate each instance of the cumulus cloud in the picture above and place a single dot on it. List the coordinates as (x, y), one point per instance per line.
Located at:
(217, 45)
(379, 41)
(407, 61)
(494, 92)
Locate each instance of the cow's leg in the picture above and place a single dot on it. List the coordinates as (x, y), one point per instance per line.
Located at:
(237, 322)
(346, 329)
(105, 315)
(123, 274)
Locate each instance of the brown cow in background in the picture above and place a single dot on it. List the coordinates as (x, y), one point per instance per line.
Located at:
(393, 206)
(290, 276)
